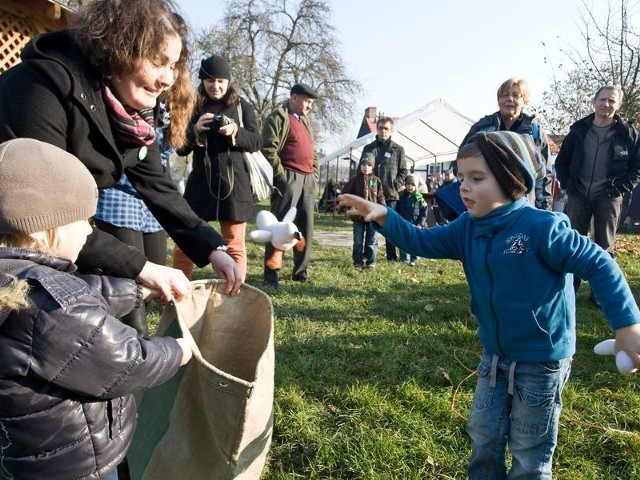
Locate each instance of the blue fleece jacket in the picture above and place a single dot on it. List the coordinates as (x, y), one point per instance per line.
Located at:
(518, 261)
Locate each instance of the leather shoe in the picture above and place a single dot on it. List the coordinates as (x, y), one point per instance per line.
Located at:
(275, 284)
(301, 278)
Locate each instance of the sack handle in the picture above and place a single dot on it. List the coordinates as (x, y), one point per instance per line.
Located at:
(186, 334)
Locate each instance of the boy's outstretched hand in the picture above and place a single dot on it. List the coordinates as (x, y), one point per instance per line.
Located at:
(628, 339)
(371, 212)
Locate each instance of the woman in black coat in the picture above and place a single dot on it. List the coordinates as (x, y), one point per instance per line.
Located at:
(219, 188)
(85, 90)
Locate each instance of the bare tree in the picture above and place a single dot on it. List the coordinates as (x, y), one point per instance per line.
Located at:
(273, 44)
(608, 53)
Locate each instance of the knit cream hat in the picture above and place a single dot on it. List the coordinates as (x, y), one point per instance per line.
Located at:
(42, 187)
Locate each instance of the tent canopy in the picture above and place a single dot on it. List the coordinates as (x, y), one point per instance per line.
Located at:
(429, 135)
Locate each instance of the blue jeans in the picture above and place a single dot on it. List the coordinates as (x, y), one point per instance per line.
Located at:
(407, 257)
(527, 419)
(365, 243)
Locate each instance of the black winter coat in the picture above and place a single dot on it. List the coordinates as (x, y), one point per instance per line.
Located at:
(624, 167)
(54, 96)
(227, 195)
(67, 371)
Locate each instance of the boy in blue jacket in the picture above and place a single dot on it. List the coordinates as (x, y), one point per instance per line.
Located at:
(412, 207)
(527, 327)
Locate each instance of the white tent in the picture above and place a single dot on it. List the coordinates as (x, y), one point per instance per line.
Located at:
(430, 135)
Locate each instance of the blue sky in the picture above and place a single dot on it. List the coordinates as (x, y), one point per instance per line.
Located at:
(409, 52)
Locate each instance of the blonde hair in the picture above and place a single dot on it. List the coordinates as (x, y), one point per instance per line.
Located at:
(14, 294)
(44, 245)
(522, 85)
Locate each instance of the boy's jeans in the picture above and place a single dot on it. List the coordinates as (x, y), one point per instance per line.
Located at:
(527, 419)
(364, 252)
(408, 258)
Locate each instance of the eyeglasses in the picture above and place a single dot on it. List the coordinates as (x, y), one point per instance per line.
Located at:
(515, 96)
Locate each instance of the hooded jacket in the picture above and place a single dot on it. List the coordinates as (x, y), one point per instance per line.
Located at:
(523, 317)
(55, 96)
(67, 371)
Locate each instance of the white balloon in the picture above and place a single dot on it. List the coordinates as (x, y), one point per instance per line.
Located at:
(624, 363)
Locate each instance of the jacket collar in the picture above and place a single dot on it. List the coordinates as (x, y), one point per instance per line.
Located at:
(497, 219)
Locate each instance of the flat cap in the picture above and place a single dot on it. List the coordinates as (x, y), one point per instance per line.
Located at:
(302, 89)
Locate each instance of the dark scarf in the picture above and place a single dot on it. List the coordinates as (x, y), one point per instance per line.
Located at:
(130, 127)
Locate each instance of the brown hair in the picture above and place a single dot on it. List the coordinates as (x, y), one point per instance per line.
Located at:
(469, 150)
(115, 34)
(613, 88)
(383, 120)
(230, 98)
(522, 85)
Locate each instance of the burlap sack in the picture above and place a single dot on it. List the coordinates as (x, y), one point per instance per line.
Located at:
(214, 419)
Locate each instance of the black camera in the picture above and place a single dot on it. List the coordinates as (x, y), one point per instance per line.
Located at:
(220, 120)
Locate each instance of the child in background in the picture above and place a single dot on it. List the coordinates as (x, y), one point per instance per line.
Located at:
(68, 366)
(413, 208)
(519, 262)
(365, 185)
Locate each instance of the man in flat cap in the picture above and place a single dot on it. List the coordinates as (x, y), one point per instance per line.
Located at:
(288, 145)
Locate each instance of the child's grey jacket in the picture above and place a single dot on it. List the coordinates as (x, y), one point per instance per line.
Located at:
(67, 371)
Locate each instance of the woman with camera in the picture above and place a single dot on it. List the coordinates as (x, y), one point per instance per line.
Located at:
(218, 188)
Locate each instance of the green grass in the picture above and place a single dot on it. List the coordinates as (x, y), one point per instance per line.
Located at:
(375, 374)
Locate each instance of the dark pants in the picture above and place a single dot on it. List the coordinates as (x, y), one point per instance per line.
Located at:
(390, 248)
(603, 211)
(299, 192)
(154, 246)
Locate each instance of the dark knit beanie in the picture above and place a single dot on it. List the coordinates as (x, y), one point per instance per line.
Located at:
(42, 187)
(367, 159)
(512, 160)
(411, 179)
(214, 67)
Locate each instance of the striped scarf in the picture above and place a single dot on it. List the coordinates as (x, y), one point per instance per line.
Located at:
(131, 127)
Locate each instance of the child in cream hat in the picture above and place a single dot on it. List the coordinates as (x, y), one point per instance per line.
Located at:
(68, 366)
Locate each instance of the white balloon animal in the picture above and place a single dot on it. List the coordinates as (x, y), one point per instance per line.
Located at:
(623, 361)
(283, 235)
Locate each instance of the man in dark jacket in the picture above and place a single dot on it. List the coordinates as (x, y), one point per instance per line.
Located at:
(598, 162)
(390, 166)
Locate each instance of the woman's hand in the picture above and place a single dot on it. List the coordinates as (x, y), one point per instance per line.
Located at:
(229, 130)
(203, 124)
(227, 268)
(170, 282)
(369, 211)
